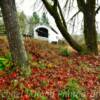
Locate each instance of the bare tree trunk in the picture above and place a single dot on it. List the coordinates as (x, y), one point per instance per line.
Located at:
(14, 37)
(66, 35)
(90, 34)
(89, 27)
(60, 22)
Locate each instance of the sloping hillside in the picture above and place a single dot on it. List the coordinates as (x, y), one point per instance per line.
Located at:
(53, 74)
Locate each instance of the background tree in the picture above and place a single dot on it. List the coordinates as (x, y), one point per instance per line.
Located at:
(30, 26)
(2, 27)
(33, 21)
(22, 20)
(0, 13)
(44, 19)
(16, 45)
(35, 18)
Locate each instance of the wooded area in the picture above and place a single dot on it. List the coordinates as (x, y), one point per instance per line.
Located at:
(37, 70)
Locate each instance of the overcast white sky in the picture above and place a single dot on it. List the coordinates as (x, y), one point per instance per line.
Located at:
(28, 7)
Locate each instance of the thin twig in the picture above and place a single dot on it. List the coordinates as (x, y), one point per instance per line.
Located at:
(96, 12)
(73, 16)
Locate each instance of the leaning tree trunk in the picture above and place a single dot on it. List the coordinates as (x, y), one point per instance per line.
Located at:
(60, 22)
(89, 27)
(65, 34)
(14, 37)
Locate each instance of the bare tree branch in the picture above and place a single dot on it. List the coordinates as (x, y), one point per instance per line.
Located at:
(55, 3)
(97, 11)
(73, 26)
(48, 6)
(73, 16)
(61, 15)
(53, 29)
(69, 8)
(0, 13)
(81, 5)
(66, 4)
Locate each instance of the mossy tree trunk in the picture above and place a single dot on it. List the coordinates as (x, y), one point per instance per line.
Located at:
(89, 27)
(14, 37)
(90, 34)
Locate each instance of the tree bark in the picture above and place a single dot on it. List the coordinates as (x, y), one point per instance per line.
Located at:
(89, 27)
(90, 33)
(16, 44)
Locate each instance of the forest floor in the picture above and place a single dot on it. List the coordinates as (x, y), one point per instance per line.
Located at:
(52, 74)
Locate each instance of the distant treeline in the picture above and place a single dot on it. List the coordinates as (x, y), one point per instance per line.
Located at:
(2, 29)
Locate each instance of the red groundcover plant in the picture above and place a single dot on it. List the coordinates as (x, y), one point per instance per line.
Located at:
(51, 76)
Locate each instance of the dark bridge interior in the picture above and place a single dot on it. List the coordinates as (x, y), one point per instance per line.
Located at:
(43, 32)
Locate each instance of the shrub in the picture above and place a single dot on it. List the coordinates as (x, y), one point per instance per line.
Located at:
(72, 91)
(42, 65)
(65, 52)
(26, 71)
(36, 95)
(5, 62)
